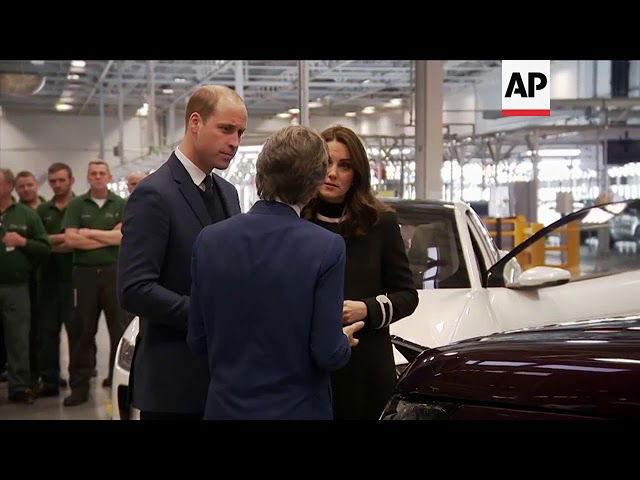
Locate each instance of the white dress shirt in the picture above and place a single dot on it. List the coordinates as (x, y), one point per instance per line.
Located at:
(194, 172)
(295, 207)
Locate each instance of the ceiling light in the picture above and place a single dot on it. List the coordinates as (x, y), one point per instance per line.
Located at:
(180, 80)
(350, 114)
(396, 102)
(63, 107)
(368, 110)
(167, 91)
(317, 104)
(294, 111)
(557, 152)
(73, 76)
(366, 81)
(284, 115)
(78, 63)
(143, 111)
(37, 62)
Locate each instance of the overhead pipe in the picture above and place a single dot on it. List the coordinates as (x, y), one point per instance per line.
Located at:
(101, 121)
(240, 78)
(303, 92)
(121, 114)
(151, 100)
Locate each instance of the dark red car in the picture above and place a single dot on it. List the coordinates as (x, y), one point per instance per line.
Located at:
(579, 370)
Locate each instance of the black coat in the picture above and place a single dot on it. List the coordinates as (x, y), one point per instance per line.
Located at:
(162, 219)
(376, 265)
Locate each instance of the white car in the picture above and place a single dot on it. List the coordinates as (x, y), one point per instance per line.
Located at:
(467, 287)
(470, 288)
(121, 409)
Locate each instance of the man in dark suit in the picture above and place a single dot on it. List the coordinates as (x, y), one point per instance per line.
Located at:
(162, 218)
(266, 299)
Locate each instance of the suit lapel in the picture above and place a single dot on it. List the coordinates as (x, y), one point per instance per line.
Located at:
(227, 200)
(188, 190)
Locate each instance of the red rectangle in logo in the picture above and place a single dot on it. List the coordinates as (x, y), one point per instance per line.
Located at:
(526, 113)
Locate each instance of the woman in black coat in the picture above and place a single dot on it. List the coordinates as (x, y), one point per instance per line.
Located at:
(378, 284)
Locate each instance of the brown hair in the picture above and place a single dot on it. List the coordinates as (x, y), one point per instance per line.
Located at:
(56, 167)
(205, 99)
(291, 165)
(362, 208)
(8, 176)
(99, 162)
(25, 174)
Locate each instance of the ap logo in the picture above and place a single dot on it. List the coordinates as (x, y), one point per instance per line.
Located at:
(525, 88)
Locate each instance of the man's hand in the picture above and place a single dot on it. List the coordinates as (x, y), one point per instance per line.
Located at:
(350, 330)
(86, 232)
(353, 311)
(14, 239)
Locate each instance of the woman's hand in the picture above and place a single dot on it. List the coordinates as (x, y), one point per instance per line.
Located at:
(353, 311)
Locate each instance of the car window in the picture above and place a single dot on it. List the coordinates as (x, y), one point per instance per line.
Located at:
(604, 242)
(483, 238)
(482, 266)
(433, 248)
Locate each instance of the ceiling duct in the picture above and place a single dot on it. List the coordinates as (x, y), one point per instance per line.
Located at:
(21, 84)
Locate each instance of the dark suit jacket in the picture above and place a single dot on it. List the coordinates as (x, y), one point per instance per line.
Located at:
(266, 305)
(162, 218)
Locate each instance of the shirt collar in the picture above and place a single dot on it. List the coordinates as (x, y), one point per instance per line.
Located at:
(295, 207)
(194, 172)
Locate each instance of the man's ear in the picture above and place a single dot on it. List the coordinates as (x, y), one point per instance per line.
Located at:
(194, 122)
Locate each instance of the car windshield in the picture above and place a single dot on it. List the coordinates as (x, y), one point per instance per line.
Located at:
(432, 245)
(604, 241)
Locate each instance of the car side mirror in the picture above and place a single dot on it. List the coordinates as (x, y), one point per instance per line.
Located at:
(538, 277)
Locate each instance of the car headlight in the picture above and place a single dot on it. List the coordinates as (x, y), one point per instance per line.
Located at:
(404, 408)
(126, 354)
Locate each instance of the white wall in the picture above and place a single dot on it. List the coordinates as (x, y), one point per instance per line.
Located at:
(35, 141)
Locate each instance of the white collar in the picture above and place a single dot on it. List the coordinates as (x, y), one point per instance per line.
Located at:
(295, 207)
(194, 172)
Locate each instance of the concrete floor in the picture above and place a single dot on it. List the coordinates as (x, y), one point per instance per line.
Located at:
(97, 408)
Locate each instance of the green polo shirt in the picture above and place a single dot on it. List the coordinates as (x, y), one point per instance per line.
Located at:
(82, 212)
(16, 265)
(57, 268)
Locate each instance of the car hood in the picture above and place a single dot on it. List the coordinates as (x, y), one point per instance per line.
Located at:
(588, 367)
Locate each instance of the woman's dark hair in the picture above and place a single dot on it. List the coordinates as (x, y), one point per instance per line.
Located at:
(362, 209)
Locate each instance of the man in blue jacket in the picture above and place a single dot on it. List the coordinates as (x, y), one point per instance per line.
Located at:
(266, 298)
(162, 218)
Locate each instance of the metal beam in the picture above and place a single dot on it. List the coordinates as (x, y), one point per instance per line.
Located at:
(100, 79)
(200, 83)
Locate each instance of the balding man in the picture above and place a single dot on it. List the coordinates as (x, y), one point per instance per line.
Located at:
(162, 218)
(133, 178)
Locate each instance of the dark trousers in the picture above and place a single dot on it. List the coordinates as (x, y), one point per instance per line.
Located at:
(144, 415)
(34, 331)
(3, 351)
(55, 308)
(94, 290)
(14, 315)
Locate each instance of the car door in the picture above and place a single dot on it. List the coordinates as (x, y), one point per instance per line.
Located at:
(605, 280)
(438, 255)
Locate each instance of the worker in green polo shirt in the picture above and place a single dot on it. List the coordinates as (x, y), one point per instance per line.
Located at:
(92, 225)
(23, 244)
(27, 190)
(55, 299)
